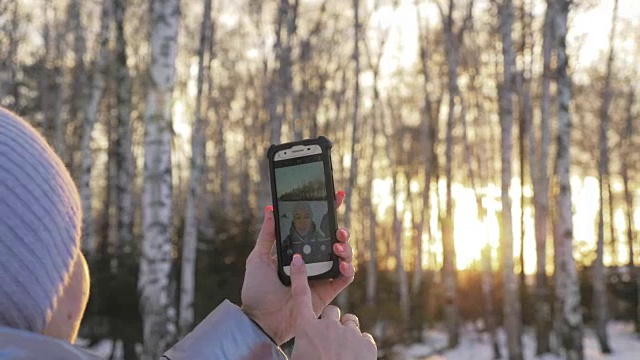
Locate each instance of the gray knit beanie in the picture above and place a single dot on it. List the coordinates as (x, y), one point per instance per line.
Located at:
(40, 221)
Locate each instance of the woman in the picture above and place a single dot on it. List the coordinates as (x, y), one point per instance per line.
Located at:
(304, 237)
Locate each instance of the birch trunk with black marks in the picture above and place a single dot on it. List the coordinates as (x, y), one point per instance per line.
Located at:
(449, 277)
(488, 297)
(376, 123)
(157, 310)
(343, 298)
(58, 85)
(428, 139)
(45, 82)
(524, 128)
(353, 170)
(124, 152)
(599, 280)
(538, 163)
(397, 237)
(276, 89)
(512, 317)
(190, 236)
(625, 161)
(97, 83)
(9, 67)
(568, 324)
(488, 300)
(78, 89)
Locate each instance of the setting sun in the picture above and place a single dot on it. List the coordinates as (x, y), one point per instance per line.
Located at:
(472, 234)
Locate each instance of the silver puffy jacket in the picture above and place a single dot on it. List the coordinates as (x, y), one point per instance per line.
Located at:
(227, 333)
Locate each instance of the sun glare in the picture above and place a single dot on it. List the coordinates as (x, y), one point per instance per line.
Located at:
(470, 233)
(473, 231)
(181, 125)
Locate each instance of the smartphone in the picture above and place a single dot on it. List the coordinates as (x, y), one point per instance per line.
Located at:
(304, 207)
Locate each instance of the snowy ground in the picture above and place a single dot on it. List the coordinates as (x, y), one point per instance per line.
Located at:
(475, 346)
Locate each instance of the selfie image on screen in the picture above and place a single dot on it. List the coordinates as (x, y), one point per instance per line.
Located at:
(302, 206)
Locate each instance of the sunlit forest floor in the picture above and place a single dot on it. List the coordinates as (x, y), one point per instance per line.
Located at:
(475, 345)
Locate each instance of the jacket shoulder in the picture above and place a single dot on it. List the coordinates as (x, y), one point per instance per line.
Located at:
(23, 345)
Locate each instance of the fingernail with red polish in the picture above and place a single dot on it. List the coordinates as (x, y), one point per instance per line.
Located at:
(268, 208)
(340, 247)
(340, 193)
(297, 260)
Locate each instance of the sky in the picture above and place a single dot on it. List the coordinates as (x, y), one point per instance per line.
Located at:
(290, 177)
(589, 28)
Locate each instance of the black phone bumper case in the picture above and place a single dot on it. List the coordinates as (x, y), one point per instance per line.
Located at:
(326, 145)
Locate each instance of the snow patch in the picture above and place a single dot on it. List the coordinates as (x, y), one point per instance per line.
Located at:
(477, 346)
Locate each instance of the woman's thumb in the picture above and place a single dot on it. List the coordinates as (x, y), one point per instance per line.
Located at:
(267, 235)
(301, 291)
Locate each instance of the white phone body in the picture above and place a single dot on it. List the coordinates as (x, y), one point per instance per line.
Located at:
(316, 268)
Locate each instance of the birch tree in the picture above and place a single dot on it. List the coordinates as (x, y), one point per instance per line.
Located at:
(222, 165)
(488, 300)
(599, 282)
(313, 82)
(58, 79)
(90, 114)
(483, 157)
(155, 264)
(525, 53)
(372, 264)
(376, 122)
(353, 168)
(9, 66)
(512, 317)
(78, 89)
(568, 324)
(428, 139)
(45, 81)
(281, 87)
(453, 40)
(393, 154)
(538, 163)
(190, 237)
(627, 152)
(278, 86)
(124, 153)
(4, 59)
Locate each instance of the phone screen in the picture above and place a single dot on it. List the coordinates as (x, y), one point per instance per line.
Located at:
(304, 220)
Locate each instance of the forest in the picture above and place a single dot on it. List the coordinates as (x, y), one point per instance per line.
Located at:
(488, 150)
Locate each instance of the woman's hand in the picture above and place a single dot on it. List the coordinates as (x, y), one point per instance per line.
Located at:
(269, 303)
(332, 337)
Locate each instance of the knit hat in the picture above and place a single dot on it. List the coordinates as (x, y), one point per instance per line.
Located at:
(302, 207)
(40, 219)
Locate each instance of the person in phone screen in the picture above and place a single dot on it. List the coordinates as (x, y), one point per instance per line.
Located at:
(305, 238)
